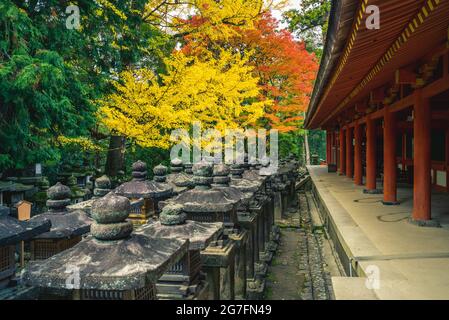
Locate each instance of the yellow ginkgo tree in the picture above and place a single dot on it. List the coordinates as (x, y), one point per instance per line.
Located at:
(219, 90)
(216, 18)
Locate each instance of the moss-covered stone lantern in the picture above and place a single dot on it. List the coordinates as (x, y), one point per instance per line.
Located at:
(12, 232)
(143, 194)
(67, 226)
(112, 264)
(209, 205)
(179, 180)
(243, 236)
(184, 280)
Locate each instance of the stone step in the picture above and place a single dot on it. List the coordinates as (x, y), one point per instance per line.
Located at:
(347, 288)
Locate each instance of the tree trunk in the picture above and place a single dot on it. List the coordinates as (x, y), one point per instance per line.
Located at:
(116, 156)
(306, 147)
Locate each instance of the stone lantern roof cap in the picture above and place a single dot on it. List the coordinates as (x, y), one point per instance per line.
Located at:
(203, 198)
(241, 183)
(13, 231)
(222, 180)
(254, 175)
(199, 234)
(65, 224)
(125, 264)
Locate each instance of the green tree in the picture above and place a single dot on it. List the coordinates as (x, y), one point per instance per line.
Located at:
(309, 23)
(41, 95)
(49, 74)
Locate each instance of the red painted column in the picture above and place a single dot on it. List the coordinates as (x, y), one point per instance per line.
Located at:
(447, 160)
(342, 142)
(404, 151)
(421, 159)
(390, 165)
(328, 145)
(334, 147)
(331, 145)
(358, 170)
(349, 152)
(337, 149)
(371, 156)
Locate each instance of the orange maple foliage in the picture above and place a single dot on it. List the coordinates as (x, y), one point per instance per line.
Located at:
(285, 68)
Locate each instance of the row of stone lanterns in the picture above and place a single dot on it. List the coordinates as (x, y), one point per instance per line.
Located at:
(221, 219)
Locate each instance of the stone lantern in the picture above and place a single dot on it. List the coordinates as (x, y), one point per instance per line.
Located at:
(67, 226)
(184, 280)
(102, 188)
(179, 180)
(78, 194)
(112, 264)
(242, 233)
(293, 166)
(256, 285)
(188, 168)
(278, 186)
(143, 194)
(207, 204)
(274, 203)
(265, 196)
(40, 197)
(288, 175)
(257, 204)
(12, 192)
(12, 232)
(160, 173)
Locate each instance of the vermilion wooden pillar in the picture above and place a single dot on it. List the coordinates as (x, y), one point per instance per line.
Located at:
(334, 147)
(390, 166)
(331, 147)
(337, 149)
(371, 156)
(421, 159)
(342, 142)
(349, 152)
(358, 170)
(327, 147)
(447, 159)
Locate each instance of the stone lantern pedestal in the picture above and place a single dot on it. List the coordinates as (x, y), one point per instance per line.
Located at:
(218, 261)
